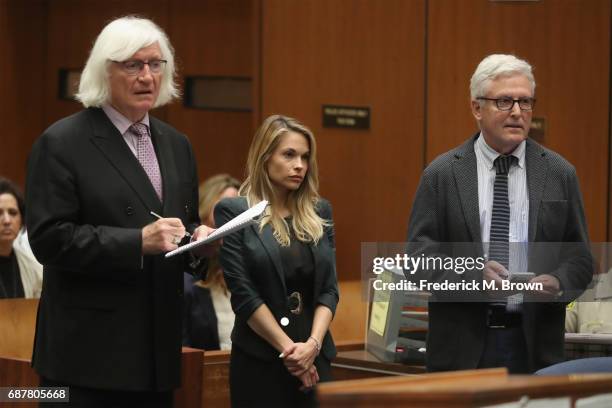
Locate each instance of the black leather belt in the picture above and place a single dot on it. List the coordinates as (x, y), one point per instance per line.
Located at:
(499, 318)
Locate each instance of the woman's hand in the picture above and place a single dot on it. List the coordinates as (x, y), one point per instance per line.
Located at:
(309, 378)
(299, 357)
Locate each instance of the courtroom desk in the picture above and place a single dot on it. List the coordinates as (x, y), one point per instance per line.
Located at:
(584, 345)
(16, 372)
(17, 325)
(458, 389)
(354, 364)
(215, 386)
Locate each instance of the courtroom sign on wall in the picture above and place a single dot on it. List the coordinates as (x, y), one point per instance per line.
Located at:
(352, 117)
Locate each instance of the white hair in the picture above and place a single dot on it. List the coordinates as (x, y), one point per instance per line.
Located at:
(495, 66)
(118, 41)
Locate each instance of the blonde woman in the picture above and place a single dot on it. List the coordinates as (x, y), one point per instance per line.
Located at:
(207, 314)
(281, 272)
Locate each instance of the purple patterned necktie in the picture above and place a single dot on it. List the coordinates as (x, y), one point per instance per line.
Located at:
(146, 156)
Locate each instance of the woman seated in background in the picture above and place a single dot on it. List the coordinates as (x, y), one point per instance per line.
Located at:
(281, 272)
(20, 273)
(208, 318)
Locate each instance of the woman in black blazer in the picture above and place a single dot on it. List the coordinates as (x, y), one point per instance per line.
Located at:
(281, 272)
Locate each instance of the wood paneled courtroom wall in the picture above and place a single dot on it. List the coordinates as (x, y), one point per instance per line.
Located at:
(353, 53)
(409, 61)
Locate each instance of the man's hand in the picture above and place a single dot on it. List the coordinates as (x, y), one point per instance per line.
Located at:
(551, 286)
(205, 250)
(299, 357)
(162, 236)
(494, 271)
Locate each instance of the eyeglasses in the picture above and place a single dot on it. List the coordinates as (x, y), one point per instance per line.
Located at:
(134, 66)
(507, 104)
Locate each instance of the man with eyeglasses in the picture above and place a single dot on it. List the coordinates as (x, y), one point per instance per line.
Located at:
(109, 191)
(505, 193)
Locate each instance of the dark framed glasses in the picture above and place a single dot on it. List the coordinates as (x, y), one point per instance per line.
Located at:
(507, 104)
(134, 66)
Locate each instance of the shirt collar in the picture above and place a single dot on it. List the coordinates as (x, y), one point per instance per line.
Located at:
(119, 120)
(489, 154)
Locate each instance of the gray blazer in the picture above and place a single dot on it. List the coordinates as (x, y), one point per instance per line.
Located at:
(445, 210)
(254, 274)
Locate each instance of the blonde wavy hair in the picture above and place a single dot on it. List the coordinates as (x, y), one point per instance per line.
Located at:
(209, 194)
(210, 191)
(306, 223)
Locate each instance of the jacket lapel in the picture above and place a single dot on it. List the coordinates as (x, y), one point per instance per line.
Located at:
(111, 143)
(271, 246)
(537, 172)
(466, 179)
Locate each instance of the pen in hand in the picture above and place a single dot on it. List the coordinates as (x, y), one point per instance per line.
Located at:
(156, 215)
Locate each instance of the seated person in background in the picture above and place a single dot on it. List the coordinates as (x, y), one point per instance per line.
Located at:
(20, 273)
(593, 316)
(208, 318)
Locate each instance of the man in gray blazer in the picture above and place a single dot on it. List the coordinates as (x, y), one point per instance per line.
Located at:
(500, 187)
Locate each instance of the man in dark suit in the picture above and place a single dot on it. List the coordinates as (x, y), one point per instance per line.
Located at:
(502, 191)
(109, 320)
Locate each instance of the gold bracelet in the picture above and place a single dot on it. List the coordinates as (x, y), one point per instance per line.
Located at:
(317, 344)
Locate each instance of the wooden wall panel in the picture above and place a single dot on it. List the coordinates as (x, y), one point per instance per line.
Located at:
(214, 37)
(22, 33)
(357, 53)
(567, 42)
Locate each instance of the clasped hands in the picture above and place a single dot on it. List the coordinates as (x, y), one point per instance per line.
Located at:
(299, 361)
(165, 234)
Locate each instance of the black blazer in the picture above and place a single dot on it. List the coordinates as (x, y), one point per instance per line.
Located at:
(445, 210)
(199, 318)
(108, 317)
(254, 274)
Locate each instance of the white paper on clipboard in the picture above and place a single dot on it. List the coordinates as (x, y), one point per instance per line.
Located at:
(239, 222)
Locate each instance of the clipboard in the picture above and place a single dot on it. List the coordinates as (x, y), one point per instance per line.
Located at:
(237, 223)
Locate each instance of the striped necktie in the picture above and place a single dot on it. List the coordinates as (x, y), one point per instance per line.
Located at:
(500, 215)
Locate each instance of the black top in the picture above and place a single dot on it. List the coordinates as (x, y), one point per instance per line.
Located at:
(298, 265)
(10, 279)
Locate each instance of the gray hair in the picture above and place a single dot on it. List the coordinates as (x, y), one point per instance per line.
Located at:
(118, 41)
(495, 66)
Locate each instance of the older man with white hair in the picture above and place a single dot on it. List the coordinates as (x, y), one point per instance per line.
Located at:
(504, 192)
(109, 321)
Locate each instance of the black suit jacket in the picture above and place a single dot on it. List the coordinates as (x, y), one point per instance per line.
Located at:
(254, 274)
(108, 317)
(446, 210)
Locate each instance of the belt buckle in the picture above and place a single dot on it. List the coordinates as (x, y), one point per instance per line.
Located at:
(294, 302)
